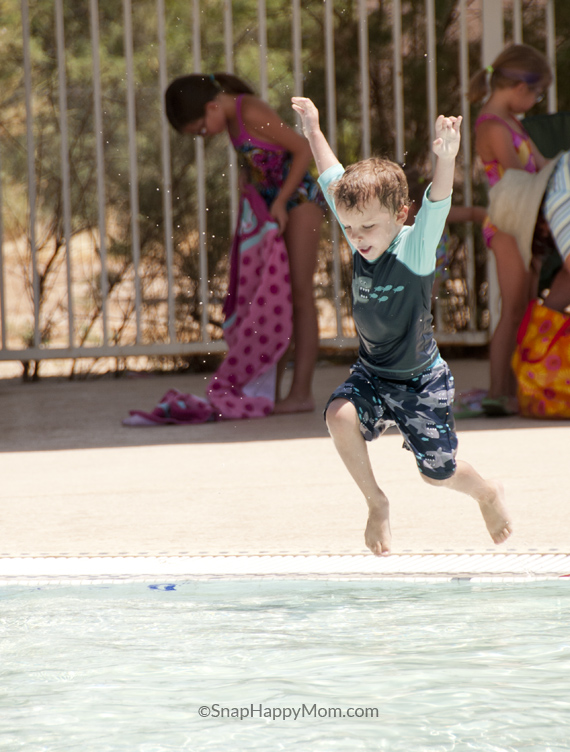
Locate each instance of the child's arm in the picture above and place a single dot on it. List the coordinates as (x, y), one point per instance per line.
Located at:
(445, 148)
(322, 152)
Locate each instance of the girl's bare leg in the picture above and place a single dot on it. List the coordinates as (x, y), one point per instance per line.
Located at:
(281, 368)
(514, 284)
(489, 495)
(344, 427)
(301, 237)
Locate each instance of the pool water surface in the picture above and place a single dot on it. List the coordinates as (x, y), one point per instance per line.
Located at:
(272, 664)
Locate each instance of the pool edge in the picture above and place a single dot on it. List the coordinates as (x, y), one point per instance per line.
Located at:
(410, 567)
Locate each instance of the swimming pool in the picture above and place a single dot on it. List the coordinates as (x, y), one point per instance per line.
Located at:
(228, 664)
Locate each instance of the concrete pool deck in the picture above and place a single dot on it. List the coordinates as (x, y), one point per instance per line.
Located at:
(75, 482)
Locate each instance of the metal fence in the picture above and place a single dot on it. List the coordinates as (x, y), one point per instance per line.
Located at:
(20, 307)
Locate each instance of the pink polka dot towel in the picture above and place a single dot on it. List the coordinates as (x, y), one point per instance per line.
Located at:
(257, 329)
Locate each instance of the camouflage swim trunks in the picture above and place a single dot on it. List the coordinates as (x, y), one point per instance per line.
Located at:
(419, 407)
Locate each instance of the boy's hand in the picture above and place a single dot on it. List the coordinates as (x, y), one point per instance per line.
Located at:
(309, 114)
(447, 137)
(322, 152)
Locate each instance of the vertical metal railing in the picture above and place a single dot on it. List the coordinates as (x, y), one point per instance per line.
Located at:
(296, 41)
(232, 163)
(330, 87)
(517, 22)
(363, 57)
(31, 150)
(492, 43)
(431, 69)
(166, 171)
(201, 182)
(467, 160)
(133, 163)
(262, 42)
(398, 78)
(2, 281)
(492, 36)
(65, 178)
(551, 54)
(100, 160)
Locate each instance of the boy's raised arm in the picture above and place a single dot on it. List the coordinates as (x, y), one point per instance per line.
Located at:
(445, 147)
(322, 152)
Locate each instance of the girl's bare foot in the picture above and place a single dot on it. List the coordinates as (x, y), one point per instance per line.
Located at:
(293, 405)
(495, 514)
(378, 536)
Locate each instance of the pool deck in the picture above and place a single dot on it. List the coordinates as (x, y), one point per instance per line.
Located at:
(75, 482)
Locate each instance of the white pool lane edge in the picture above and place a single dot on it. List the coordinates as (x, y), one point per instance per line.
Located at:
(441, 567)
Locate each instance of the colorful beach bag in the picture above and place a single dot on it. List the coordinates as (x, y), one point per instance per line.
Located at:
(541, 363)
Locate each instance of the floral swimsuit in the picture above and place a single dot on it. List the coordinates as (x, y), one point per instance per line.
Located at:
(268, 166)
(495, 171)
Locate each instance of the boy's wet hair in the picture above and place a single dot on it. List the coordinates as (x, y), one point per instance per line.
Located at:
(186, 97)
(517, 63)
(369, 179)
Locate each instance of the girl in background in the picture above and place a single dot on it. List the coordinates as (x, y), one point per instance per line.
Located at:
(511, 86)
(276, 160)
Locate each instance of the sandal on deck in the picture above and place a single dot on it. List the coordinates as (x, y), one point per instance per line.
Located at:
(499, 407)
(468, 404)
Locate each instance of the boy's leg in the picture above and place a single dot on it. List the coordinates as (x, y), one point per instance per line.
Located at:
(488, 494)
(344, 426)
(422, 409)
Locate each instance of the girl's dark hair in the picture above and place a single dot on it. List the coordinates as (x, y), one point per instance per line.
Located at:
(516, 63)
(186, 97)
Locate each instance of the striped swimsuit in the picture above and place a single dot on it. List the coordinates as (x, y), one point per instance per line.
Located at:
(556, 205)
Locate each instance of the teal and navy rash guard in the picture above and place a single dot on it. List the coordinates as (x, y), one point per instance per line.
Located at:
(391, 296)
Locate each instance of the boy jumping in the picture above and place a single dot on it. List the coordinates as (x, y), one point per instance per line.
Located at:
(399, 378)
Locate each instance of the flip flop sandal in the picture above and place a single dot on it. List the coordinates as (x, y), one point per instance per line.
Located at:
(498, 407)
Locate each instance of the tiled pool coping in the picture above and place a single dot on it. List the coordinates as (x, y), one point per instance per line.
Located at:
(441, 567)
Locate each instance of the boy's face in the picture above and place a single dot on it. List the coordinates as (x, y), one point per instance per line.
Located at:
(372, 227)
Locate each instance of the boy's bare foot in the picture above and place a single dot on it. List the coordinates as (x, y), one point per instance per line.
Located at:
(495, 514)
(378, 536)
(293, 405)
